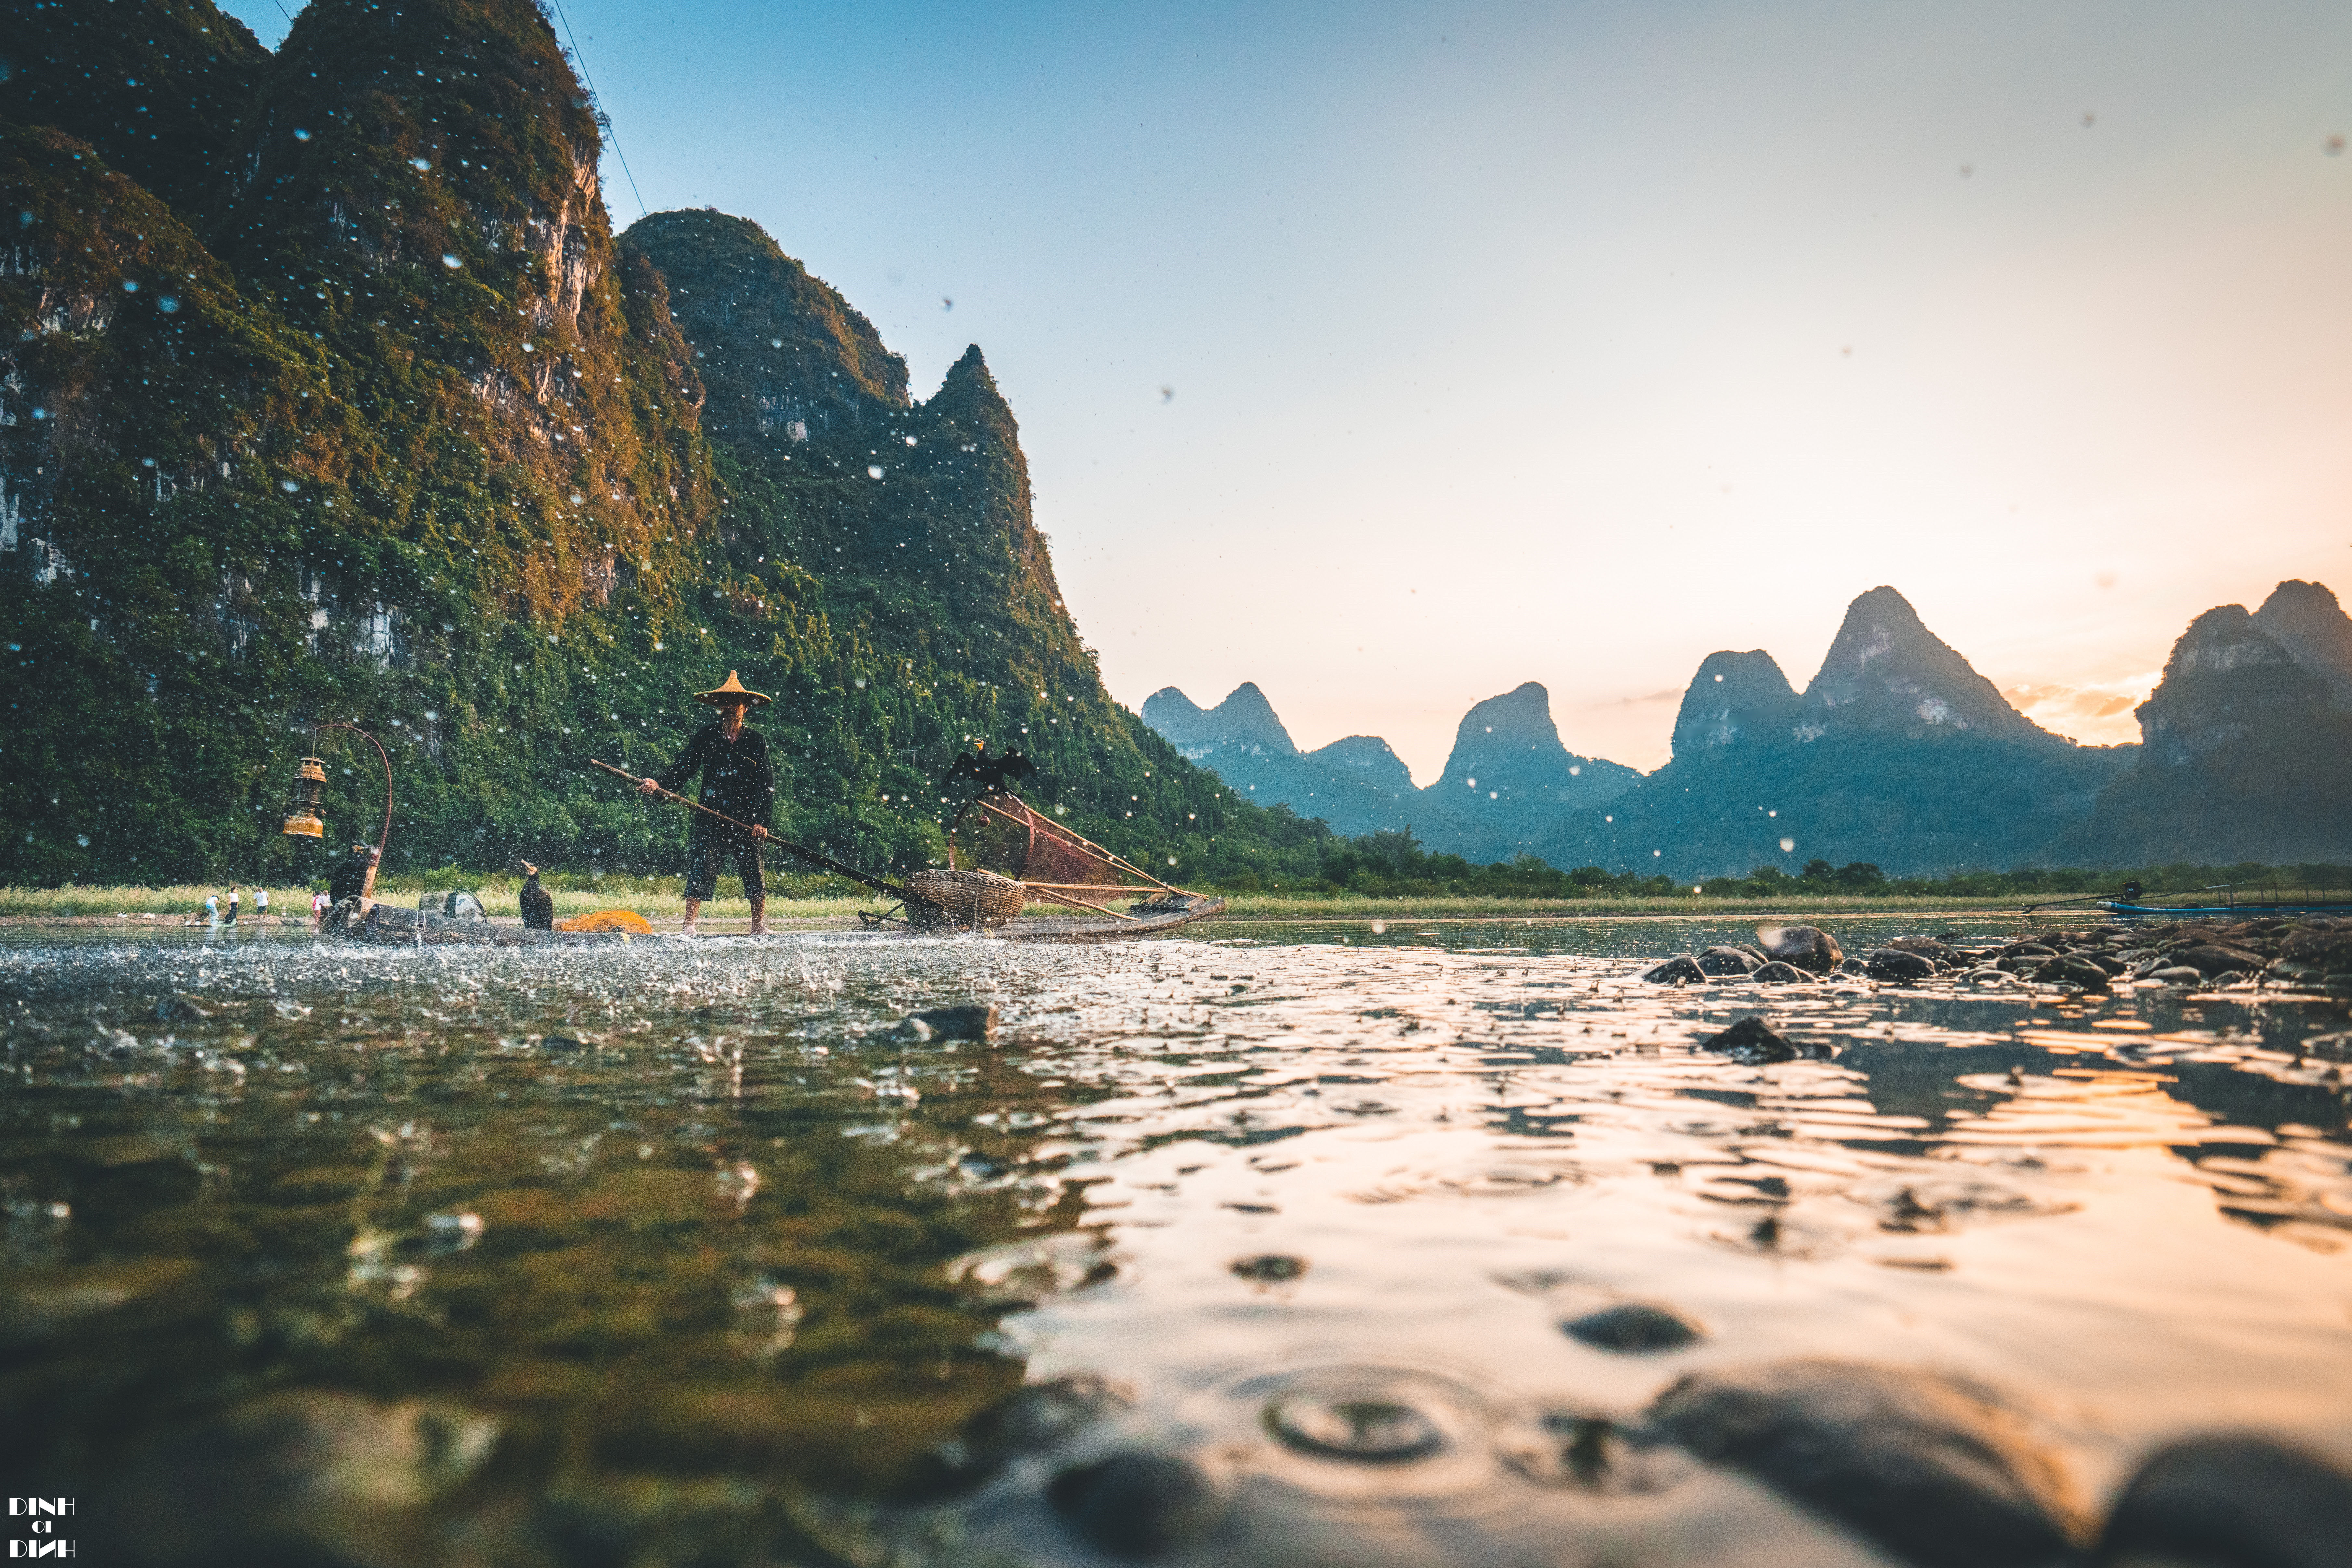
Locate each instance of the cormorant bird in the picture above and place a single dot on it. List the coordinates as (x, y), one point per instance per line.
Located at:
(990, 772)
(538, 906)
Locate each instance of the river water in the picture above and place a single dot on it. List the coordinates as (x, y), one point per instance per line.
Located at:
(685, 1245)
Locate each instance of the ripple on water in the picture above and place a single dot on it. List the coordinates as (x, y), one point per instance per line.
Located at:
(1326, 1213)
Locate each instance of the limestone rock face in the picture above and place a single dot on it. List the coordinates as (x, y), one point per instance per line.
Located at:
(1510, 746)
(1370, 758)
(1243, 718)
(1735, 698)
(786, 359)
(1887, 671)
(2244, 757)
(2226, 680)
(2311, 626)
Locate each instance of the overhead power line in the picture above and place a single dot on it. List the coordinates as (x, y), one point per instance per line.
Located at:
(593, 97)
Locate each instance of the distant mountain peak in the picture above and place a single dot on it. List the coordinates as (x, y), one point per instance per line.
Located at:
(1734, 697)
(1885, 671)
(2307, 620)
(1507, 750)
(1243, 718)
(1370, 756)
(2226, 678)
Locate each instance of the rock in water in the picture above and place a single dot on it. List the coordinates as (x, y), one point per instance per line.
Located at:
(1137, 1505)
(1029, 1421)
(1807, 947)
(976, 1021)
(2069, 970)
(1632, 1326)
(2215, 960)
(1727, 961)
(1895, 963)
(1751, 1043)
(1931, 1469)
(1779, 973)
(303, 1477)
(1680, 969)
(2232, 1502)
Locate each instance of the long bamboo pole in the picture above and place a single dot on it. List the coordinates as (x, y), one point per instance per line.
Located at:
(812, 856)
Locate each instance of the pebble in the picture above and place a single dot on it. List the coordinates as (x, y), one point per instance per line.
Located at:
(976, 1021)
(1272, 1269)
(1632, 1326)
(1751, 1042)
(1680, 969)
(1931, 1469)
(1895, 964)
(1807, 947)
(1136, 1505)
(2231, 1502)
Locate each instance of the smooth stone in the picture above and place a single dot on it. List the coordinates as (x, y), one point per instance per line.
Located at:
(1928, 947)
(1371, 1431)
(1927, 1467)
(1852, 966)
(1807, 947)
(1137, 1505)
(1680, 969)
(1751, 1042)
(2177, 975)
(973, 1022)
(2071, 970)
(1632, 1326)
(300, 1477)
(1893, 964)
(1272, 1269)
(1779, 973)
(1030, 1420)
(2215, 960)
(2232, 1502)
(1727, 960)
(178, 1009)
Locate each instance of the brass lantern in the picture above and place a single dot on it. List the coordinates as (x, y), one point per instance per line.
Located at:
(303, 819)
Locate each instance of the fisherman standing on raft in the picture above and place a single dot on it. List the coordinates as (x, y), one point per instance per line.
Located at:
(736, 782)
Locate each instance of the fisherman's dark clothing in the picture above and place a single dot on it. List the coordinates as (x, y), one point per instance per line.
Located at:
(537, 905)
(737, 781)
(349, 880)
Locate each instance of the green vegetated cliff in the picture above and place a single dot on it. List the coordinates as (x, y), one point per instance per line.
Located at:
(337, 397)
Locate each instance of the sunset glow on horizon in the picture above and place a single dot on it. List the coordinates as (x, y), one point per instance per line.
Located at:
(1390, 357)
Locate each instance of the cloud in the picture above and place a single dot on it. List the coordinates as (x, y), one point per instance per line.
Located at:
(2097, 714)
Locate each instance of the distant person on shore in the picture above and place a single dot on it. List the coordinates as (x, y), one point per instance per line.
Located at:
(260, 902)
(736, 782)
(349, 880)
(212, 908)
(231, 918)
(320, 905)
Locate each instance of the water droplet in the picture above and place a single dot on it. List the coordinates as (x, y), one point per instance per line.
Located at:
(447, 259)
(301, 136)
(419, 165)
(82, 839)
(167, 304)
(873, 471)
(1718, 678)
(289, 486)
(1786, 845)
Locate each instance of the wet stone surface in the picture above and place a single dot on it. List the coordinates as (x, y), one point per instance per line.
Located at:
(1455, 1243)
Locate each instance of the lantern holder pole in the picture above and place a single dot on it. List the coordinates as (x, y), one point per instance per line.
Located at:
(385, 837)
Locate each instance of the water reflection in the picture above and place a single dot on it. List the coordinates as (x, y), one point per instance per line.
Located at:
(1336, 1214)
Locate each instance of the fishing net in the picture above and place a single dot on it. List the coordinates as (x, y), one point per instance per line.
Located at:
(1001, 833)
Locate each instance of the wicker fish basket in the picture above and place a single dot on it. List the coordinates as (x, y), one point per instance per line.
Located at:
(966, 898)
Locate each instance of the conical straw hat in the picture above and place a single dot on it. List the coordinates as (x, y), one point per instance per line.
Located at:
(731, 691)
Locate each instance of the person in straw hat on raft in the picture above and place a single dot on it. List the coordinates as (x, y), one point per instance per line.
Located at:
(737, 781)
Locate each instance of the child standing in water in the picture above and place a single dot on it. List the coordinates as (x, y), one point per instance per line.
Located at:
(232, 908)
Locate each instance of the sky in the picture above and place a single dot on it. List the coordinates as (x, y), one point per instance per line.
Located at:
(1392, 355)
